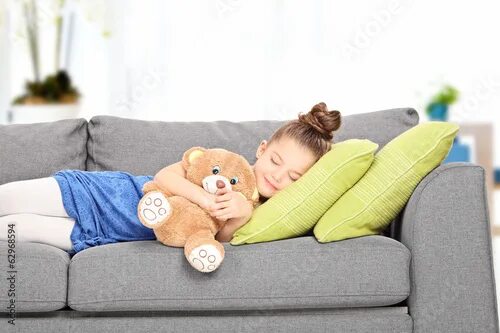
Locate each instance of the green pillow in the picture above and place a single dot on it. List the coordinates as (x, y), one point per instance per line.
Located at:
(294, 210)
(370, 205)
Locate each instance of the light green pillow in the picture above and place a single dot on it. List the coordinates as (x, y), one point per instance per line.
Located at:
(376, 199)
(294, 210)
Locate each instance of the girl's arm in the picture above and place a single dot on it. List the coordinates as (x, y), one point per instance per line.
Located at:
(172, 178)
(226, 233)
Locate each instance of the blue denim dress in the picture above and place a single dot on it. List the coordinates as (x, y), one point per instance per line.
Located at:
(104, 206)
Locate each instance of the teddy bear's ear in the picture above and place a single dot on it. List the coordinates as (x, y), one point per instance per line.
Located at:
(190, 155)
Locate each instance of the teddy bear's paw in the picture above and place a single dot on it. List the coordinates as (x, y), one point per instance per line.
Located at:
(154, 208)
(205, 258)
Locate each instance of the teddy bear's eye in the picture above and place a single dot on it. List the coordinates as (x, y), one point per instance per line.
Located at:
(234, 180)
(215, 169)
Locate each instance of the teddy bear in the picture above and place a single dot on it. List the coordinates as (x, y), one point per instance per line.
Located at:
(178, 222)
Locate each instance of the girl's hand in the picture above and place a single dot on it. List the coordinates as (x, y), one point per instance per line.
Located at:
(230, 205)
(208, 201)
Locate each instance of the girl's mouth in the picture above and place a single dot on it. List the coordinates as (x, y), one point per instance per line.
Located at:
(269, 184)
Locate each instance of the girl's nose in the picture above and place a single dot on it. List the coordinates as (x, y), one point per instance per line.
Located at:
(278, 175)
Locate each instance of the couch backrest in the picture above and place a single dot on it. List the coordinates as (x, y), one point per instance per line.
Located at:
(36, 150)
(143, 147)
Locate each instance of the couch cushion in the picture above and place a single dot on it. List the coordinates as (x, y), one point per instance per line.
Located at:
(37, 150)
(143, 147)
(41, 279)
(291, 273)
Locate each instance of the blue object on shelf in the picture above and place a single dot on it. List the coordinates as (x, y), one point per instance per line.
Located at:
(459, 152)
(497, 176)
(438, 111)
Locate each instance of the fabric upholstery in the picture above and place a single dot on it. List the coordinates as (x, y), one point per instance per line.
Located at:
(446, 227)
(41, 278)
(290, 273)
(143, 147)
(37, 150)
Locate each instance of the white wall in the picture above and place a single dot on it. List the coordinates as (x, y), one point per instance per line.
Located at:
(4, 64)
(242, 59)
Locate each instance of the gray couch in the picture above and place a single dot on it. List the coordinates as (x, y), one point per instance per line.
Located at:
(431, 270)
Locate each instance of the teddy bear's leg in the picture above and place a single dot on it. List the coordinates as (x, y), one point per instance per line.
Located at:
(154, 209)
(203, 252)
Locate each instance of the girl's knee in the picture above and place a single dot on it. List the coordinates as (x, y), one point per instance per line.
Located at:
(17, 223)
(55, 231)
(40, 196)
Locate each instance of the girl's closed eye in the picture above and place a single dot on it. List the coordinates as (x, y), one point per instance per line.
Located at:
(293, 179)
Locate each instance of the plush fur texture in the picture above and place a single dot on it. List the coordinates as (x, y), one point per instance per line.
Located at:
(178, 222)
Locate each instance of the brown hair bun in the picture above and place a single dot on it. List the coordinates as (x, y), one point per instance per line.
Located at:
(323, 121)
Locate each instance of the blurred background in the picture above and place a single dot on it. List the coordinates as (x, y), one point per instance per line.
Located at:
(205, 60)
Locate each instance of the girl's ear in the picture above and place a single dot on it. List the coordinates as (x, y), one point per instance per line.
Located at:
(262, 147)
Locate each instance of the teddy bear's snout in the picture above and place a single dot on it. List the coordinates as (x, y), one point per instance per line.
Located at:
(210, 183)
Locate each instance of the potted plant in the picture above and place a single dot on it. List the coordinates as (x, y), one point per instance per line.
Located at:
(53, 98)
(437, 109)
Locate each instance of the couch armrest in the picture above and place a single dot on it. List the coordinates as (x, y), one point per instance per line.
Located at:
(445, 225)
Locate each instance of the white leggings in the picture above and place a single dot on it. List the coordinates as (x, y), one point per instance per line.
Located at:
(35, 207)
